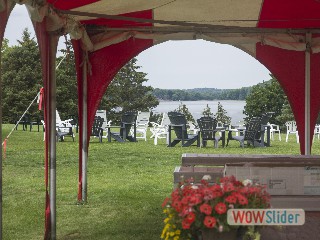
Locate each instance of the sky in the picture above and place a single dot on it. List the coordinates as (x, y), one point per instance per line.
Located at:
(178, 64)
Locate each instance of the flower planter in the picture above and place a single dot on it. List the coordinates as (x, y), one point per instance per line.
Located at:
(214, 235)
(199, 210)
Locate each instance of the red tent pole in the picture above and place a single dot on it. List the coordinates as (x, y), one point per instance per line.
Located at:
(4, 15)
(84, 128)
(307, 145)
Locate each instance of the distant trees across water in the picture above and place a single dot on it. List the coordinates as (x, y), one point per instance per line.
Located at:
(201, 94)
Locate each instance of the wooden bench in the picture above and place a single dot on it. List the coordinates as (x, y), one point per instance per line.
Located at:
(292, 180)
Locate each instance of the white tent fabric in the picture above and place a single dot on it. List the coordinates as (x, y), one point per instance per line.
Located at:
(221, 12)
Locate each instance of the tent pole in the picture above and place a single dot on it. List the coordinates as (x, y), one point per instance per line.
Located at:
(52, 133)
(1, 146)
(307, 145)
(84, 131)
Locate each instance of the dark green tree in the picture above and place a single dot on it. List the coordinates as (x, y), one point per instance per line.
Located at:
(22, 77)
(67, 95)
(184, 109)
(207, 112)
(128, 92)
(221, 115)
(286, 113)
(266, 97)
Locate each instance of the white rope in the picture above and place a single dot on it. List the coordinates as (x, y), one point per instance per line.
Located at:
(21, 117)
(30, 105)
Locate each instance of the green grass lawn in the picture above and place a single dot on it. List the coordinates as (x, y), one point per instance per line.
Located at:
(127, 184)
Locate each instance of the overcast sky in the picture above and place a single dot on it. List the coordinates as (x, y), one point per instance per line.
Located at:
(179, 64)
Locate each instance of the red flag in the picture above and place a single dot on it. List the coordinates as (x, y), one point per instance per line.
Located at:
(4, 148)
(41, 98)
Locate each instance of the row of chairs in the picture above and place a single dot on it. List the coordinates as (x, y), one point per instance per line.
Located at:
(133, 125)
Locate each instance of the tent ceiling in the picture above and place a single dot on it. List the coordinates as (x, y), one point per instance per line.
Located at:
(247, 13)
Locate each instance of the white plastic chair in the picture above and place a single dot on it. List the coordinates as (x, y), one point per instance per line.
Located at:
(316, 132)
(142, 123)
(274, 129)
(63, 126)
(160, 130)
(192, 129)
(292, 129)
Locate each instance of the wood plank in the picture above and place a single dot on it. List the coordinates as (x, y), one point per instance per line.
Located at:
(249, 160)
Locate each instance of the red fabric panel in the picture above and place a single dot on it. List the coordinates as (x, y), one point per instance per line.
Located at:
(3, 22)
(105, 64)
(117, 23)
(78, 59)
(70, 4)
(43, 42)
(288, 68)
(289, 14)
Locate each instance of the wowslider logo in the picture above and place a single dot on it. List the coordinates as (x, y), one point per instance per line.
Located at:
(266, 217)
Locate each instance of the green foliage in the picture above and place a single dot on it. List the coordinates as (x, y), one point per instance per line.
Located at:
(286, 113)
(207, 112)
(268, 97)
(127, 91)
(201, 94)
(4, 46)
(21, 76)
(182, 108)
(22, 80)
(221, 115)
(67, 93)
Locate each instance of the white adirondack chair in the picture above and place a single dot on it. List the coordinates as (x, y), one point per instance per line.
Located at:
(142, 123)
(160, 130)
(64, 127)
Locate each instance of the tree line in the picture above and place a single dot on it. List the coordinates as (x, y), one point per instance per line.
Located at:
(201, 94)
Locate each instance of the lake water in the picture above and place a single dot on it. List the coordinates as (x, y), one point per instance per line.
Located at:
(234, 108)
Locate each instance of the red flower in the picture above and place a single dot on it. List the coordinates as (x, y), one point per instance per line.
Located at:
(185, 224)
(217, 194)
(220, 208)
(242, 199)
(228, 187)
(231, 199)
(196, 199)
(209, 221)
(177, 205)
(190, 217)
(166, 200)
(206, 209)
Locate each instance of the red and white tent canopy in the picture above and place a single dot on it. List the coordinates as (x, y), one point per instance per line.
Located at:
(282, 35)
